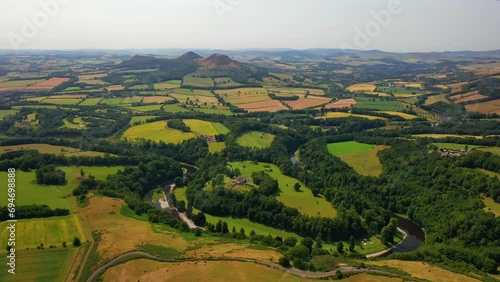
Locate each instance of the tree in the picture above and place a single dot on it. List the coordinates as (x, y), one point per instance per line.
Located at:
(352, 243)
(64, 244)
(299, 251)
(283, 261)
(338, 275)
(82, 173)
(77, 242)
(225, 228)
(308, 242)
(318, 245)
(178, 182)
(181, 206)
(197, 232)
(340, 247)
(233, 230)
(290, 241)
(296, 187)
(189, 210)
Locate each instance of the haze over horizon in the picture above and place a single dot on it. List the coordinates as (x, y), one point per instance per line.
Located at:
(412, 26)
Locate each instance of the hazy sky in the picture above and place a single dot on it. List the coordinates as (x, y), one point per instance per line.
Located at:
(418, 25)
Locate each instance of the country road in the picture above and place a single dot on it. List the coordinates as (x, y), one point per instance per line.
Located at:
(295, 271)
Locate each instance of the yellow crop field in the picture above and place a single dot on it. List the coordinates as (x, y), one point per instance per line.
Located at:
(343, 115)
(362, 87)
(403, 115)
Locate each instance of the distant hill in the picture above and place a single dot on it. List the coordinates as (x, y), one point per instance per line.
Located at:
(218, 61)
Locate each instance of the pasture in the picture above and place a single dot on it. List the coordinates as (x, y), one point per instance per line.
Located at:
(90, 102)
(62, 101)
(4, 113)
(491, 206)
(453, 146)
(171, 84)
(399, 90)
(156, 99)
(148, 108)
(256, 139)
(214, 147)
(205, 127)
(111, 101)
(304, 200)
(40, 265)
(197, 81)
(345, 115)
(157, 131)
(49, 231)
(218, 110)
(494, 150)
(50, 149)
(174, 108)
(77, 123)
(225, 82)
(140, 119)
(29, 192)
(424, 271)
(132, 99)
(149, 270)
(362, 158)
(244, 95)
(378, 104)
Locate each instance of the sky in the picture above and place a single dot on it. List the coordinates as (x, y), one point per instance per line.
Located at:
(388, 25)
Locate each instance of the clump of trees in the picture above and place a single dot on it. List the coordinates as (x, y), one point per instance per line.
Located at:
(50, 175)
(178, 124)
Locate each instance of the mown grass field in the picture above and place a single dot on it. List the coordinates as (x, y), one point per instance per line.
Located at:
(133, 99)
(215, 147)
(244, 95)
(49, 231)
(344, 115)
(256, 139)
(361, 157)
(157, 131)
(214, 271)
(494, 150)
(424, 271)
(379, 105)
(50, 149)
(148, 108)
(491, 206)
(304, 201)
(175, 109)
(28, 192)
(47, 265)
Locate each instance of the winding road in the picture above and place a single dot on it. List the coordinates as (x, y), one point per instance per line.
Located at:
(305, 274)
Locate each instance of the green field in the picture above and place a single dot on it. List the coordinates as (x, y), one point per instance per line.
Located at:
(28, 192)
(157, 131)
(19, 83)
(346, 148)
(175, 108)
(378, 104)
(492, 206)
(39, 265)
(53, 107)
(112, 101)
(256, 139)
(184, 91)
(62, 101)
(215, 147)
(489, 173)
(77, 123)
(304, 201)
(4, 113)
(205, 127)
(148, 108)
(399, 90)
(140, 119)
(50, 149)
(453, 146)
(361, 157)
(90, 102)
(198, 81)
(133, 99)
(49, 231)
(216, 110)
(494, 150)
